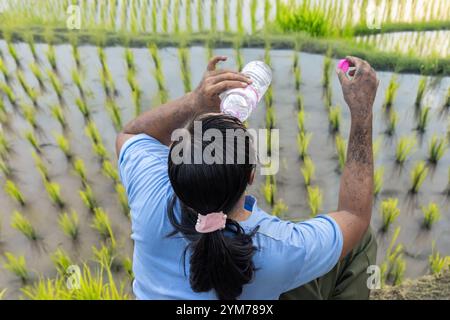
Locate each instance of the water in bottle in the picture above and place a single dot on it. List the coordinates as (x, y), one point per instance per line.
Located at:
(241, 102)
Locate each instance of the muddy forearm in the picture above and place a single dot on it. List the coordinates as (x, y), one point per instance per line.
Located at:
(356, 189)
(160, 122)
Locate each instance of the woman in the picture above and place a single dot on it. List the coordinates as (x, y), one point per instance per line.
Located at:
(198, 235)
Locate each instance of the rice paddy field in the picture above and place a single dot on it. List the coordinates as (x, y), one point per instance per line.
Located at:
(64, 94)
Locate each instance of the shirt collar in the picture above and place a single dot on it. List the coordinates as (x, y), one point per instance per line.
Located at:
(250, 205)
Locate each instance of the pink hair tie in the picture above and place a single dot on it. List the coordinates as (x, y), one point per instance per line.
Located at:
(211, 222)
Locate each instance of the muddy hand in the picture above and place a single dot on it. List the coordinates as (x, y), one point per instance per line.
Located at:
(359, 93)
(215, 82)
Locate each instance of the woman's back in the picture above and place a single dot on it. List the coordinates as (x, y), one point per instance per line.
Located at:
(287, 255)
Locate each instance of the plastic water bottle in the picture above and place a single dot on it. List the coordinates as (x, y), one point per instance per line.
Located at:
(241, 102)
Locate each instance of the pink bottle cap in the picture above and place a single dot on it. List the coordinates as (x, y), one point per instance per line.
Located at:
(344, 65)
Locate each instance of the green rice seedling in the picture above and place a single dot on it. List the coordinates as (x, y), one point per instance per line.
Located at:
(29, 113)
(239, 17)
(56, 84)
(110, 171)
(405, 146)
(132, 15)
(80, 170)
(37, 74)
(267, 49)
(200, 14)
(92, 285)
(41, 167)
(123, 199)
(4, 70)
(2, 294)
(188, 14)
(8, 91)
(127, 265)
(213, 16)
(61, 261)
(315, 200)
(392, 122)
(102, 57)
(398, 270)
(129, 59)
(268, 97)
(13, 52)
(392, 256)
(297, 77)
(51, 57)
(32, 139)
(269, 190)
(54, 193)
(421, 91)
(436, 262)
(447, 100)
(69, 224)
(58, 114)
(267, 7)
(341, 149)
(226, 15)
(165, 16)
(270, 118)
(378, 178)
(64, 145)
(183, 54)
(14, 192)
(303, 141)
(334, 118)
(253, 9)
(418, 175)
(17, 266)
(389, 213)
(100, 150)
(136, 96)
(327, 64)
(5, 168)
(308, 170)
(83, 107)
(105, 255)
(76, 54)
(431, 215)
(102, 224)
(423, 119)
(280, 208)
(88, 198)
(5, 147)
(301, 120)
(238, 54)
(436, 149)
(76, 78)
(114, 113)
(24, 226)
(391, 92)
(31, 45)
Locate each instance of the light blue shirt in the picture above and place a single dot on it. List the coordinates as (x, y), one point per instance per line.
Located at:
(288, 254)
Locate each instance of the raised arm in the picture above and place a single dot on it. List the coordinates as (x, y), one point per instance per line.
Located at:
(162, 121)
(356, 186)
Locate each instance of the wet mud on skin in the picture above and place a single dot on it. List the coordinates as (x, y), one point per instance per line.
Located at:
(290, 186)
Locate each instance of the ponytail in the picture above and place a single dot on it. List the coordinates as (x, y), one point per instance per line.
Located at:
(218, 262)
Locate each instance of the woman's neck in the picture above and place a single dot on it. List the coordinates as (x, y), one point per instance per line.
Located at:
(240, 213)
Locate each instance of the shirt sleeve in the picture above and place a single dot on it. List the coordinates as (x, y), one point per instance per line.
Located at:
(313, 249)
(143, 169)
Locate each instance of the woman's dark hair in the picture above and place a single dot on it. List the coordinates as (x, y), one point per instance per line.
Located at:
(222, 260)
